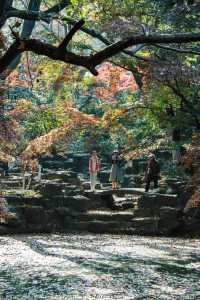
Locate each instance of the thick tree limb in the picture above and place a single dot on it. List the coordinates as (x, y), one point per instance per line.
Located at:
(143, 39)
(58, 7)
(92, 61)
(70, 35)
(100, 37)
(45, 49)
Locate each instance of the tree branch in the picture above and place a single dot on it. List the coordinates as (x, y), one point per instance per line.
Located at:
(177, 50)
(70, 35)
(37, 15)
(143, 39)
(58, 7)
(188, 105)
(100, 37)
(92, 61)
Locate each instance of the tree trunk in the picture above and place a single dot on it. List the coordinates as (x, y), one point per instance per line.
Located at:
(27, 29)
(176, 151)
(3, 8)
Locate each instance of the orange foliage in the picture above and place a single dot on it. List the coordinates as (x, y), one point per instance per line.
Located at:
(112, 80)
(43, 143)
(5, 157)
(14, 80)
(21, 109)
(79, 117)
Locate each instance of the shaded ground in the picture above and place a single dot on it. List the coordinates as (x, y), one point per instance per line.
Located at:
(98, 267)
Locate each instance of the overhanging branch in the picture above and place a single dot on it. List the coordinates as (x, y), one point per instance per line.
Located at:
(100, 37)
(187, 51)
(143, 39)
(70, 35)
(92, 61)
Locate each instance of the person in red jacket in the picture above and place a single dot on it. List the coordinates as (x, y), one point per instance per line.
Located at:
(93, 170)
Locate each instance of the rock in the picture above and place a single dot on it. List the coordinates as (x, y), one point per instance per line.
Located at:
(72, 190)
(135, 166)
(11, 183)
(106, 215)
(34, 215)
(145, 212)
(164, 155)
(176, 184)
(122, 203)
(81, 162)
(192, 226)
(142, 165)
(51, 175)
(170, 220)
(86, 185)
(138, 179)
(77, 203)
(12, 220)
(157, 201)
(170, 212)
(62, 216)
(20, 200)
(145, 225)
(52, 188)
(102, 226)
(104, 176)
(78, 226)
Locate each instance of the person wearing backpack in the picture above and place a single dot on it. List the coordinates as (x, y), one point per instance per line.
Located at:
(152, 172)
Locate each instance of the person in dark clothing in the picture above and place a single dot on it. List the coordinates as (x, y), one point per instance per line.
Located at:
(152, 172)
(3, 168)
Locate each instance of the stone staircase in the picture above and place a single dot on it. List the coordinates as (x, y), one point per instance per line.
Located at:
(65, 203)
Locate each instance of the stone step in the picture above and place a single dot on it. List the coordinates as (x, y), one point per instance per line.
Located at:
(106, 215)
(17, 200)
(10, 183)
(64, 175)
(86, 185)
(119, 192)
(58, 164)
(135, 226)
(123, 203)
(158, 201)
(147, 212)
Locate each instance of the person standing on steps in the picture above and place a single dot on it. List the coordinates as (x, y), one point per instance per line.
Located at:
(93, 170)
(121, 163)
(152, 172)
(116, 173)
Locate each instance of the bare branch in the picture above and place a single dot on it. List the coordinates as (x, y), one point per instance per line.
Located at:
(143, 39)
(92, 61)
(100, 37)
(71, 33)
(177, 49)
(58, 7)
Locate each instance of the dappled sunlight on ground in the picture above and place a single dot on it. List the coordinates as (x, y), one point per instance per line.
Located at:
(98, 267)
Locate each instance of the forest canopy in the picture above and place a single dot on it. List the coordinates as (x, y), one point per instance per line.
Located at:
(145, 58)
